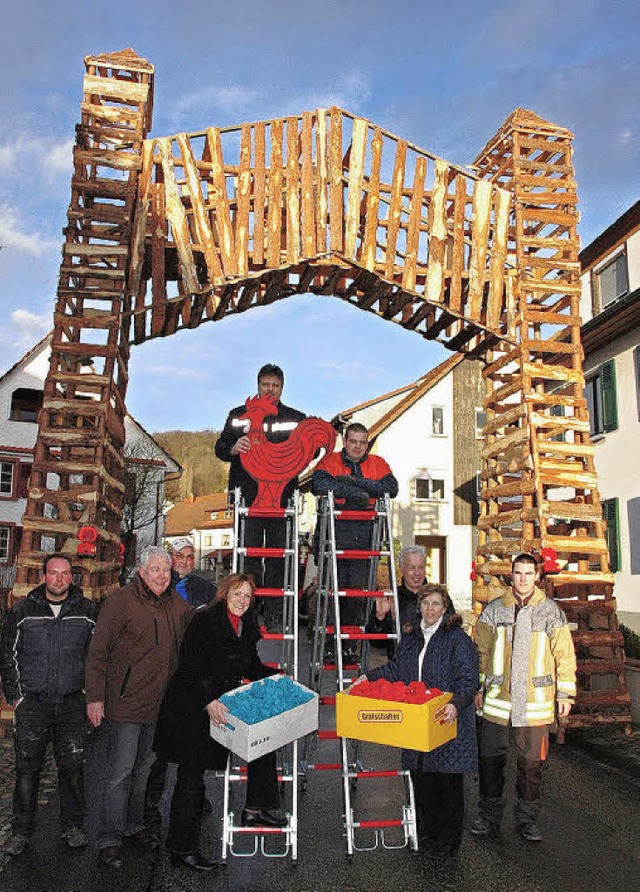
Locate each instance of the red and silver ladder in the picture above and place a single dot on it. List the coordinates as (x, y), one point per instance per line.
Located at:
(328, 675)
(245, 842)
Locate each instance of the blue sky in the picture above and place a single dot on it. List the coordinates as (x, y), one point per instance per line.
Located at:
(443, 75)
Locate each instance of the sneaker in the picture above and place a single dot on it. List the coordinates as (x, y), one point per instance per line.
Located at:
(75, 837)
(17, 844)
(530, 832)
(147, 838)
(481, 826)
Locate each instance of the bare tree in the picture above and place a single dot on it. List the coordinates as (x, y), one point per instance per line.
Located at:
(143, 497)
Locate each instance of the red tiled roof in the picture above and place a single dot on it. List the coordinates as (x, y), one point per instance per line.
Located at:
(195, 514)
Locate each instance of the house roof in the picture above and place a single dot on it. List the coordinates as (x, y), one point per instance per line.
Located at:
(45, 341)
(27, 355)
(617, 319)
(194, 513)
(612, 235)
(412, 393)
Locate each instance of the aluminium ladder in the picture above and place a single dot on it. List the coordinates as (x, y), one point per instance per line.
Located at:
(331, 598)
(288, 663)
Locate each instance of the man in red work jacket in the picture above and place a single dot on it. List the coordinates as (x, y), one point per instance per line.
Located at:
(355, 477)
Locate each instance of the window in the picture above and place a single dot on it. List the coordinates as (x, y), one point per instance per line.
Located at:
(429, 488)
(613, 280)
(5, 543)
(25, 404)
(214, 515)
(7, 469)
(612, 519)
(600, 394)
(228, 514)
(437, 421)
(558, 412)
(226, 541)
(481, 420)
(208, 541)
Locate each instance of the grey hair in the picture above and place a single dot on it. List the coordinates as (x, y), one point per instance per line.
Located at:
(152, 551)
(412, 549)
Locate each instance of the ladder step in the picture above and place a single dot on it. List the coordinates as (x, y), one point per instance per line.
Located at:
(272, 592)
(367, 514)
(265, 512)
(391, 823)
(362, 593)
(327, 735)
(327, 701)
(353, 554)
(262, 830)
(325, 766)
(382, 773)
(257, 552)
(275, 636)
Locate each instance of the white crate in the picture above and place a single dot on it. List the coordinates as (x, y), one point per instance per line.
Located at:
(252, 741)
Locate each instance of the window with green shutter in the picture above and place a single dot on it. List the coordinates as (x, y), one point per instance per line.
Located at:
(600, 394)
(612, 519)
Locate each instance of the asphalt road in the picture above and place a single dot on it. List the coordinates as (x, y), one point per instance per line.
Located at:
(592, 842)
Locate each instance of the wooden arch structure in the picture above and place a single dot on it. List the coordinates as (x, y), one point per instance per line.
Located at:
(170, 232)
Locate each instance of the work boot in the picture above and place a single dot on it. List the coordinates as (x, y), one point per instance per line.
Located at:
(17, 844)
(530, 832)
(75, 837)
(483, 826)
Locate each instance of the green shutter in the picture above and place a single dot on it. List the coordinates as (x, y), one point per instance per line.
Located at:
(611, 516)
(558, 412)
(609, 401)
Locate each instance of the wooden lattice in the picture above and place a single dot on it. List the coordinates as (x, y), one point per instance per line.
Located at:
(170, 232)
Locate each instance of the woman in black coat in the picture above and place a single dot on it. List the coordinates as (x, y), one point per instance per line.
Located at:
(439, 653)
(219, 650)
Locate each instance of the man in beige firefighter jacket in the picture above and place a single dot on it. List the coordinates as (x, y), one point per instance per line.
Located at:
(527, 666)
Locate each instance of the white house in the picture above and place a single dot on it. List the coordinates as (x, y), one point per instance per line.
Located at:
(610, 308)
(430, 432)
(147, 464)
(208, 521)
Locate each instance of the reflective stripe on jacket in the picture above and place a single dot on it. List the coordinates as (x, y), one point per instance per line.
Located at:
(526, 662)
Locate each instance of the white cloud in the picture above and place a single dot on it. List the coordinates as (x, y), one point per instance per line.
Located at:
(229, 98)
(29, 326)
(182, 372)
(59, 158)
(12, 235)
(53, 158)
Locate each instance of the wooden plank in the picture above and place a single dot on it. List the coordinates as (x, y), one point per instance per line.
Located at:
(457, 251)
(336, 193)
(244, 198)
(576, 545)
(413, 230)
(177, 218)
(113, 88)
(395, 208)
(220, 203)
(139, 228)
(434, 286)
(274, 209)
(572, 510)
(354, 186)
(293, 192)
(502, 206)
(322, 180)
(259, 193)
(373, 203)
(158, 260)
(307, 197)
(479, 240)
(200, 215)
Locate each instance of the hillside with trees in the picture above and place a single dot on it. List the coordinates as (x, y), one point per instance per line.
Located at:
(203, 472)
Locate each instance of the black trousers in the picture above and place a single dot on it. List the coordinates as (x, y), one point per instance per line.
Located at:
(186, 806)
(531, 745)
(64, 724)
(439, 807)
(267, 532)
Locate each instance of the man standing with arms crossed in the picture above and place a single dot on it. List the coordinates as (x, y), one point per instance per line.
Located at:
(527, 666)
(44, 645)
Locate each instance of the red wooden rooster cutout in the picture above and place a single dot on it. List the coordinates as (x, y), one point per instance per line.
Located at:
(273, 465)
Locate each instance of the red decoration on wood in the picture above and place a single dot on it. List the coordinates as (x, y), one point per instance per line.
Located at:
(273, 465)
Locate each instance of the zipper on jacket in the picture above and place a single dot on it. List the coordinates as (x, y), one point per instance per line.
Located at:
(155, 626)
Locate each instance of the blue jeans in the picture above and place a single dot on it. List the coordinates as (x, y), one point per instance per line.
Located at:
(129, 759)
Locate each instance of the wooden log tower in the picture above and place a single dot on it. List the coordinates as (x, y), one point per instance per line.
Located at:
(167, 233)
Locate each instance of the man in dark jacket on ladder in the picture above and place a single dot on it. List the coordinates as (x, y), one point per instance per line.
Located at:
(44, 644)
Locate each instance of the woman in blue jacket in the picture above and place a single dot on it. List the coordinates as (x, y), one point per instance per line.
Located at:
(441, 654)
